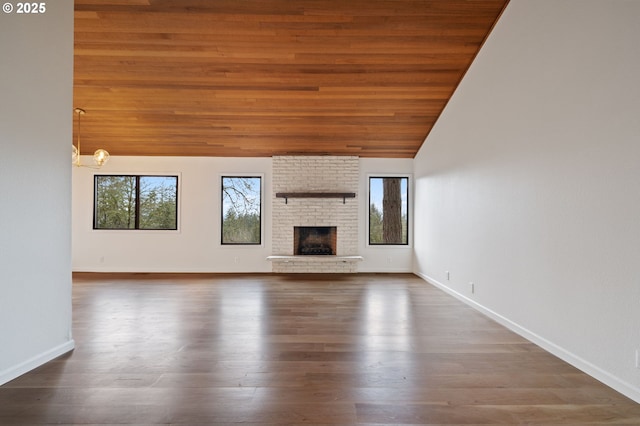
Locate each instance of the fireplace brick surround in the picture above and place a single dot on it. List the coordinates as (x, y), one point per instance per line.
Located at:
(315, 174)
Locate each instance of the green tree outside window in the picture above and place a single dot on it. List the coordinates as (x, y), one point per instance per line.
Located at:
(388, 210)
(136, 202)
(241, 209)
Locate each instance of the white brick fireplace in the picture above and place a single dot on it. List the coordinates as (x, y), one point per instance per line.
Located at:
(316, 176)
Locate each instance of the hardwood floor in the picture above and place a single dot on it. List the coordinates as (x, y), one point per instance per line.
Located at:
(297, 349)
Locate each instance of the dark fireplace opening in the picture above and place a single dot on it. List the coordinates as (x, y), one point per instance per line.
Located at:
(314, 240)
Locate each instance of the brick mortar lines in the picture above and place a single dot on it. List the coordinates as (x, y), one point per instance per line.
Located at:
(315, 174)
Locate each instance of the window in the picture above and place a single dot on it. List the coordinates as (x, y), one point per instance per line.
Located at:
(388, 210)
(135, 202)
(241, 209)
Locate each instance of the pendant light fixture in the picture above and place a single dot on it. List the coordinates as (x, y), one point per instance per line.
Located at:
(100, 157)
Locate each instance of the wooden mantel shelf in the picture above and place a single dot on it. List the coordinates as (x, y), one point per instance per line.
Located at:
(343, 195)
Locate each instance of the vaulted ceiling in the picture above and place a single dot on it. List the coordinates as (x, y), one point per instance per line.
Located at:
(270, 77)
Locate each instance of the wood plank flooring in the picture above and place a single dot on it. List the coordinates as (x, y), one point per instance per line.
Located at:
(353, 349)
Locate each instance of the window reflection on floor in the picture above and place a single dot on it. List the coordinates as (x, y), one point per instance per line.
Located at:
(387, 334)
(242, 323)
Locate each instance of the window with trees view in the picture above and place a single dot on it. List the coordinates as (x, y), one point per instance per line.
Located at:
(241, 209)
(135, 202)
(388, 210)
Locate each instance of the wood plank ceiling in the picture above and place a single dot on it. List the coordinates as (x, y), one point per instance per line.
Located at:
(270, 77)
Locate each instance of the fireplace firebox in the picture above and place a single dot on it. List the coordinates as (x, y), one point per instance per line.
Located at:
(314, 240)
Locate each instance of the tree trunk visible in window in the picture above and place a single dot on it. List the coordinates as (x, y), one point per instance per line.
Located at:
(391, 211)
(131, 202)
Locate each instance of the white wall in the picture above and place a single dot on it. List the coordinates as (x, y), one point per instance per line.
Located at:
(528, 184)
(384, 258)
(36, 86)
(196, 247)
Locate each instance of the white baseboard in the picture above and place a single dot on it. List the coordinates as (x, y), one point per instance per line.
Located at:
(169, 270)
(384, 270)
(214, 271)
(594, 371)
(36, 361)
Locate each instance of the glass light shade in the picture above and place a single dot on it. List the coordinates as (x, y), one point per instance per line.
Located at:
(74, 154)
(100, 157)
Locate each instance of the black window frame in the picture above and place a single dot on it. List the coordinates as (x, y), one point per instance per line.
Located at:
(408, 196)
(222, 213)
(137, 177)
